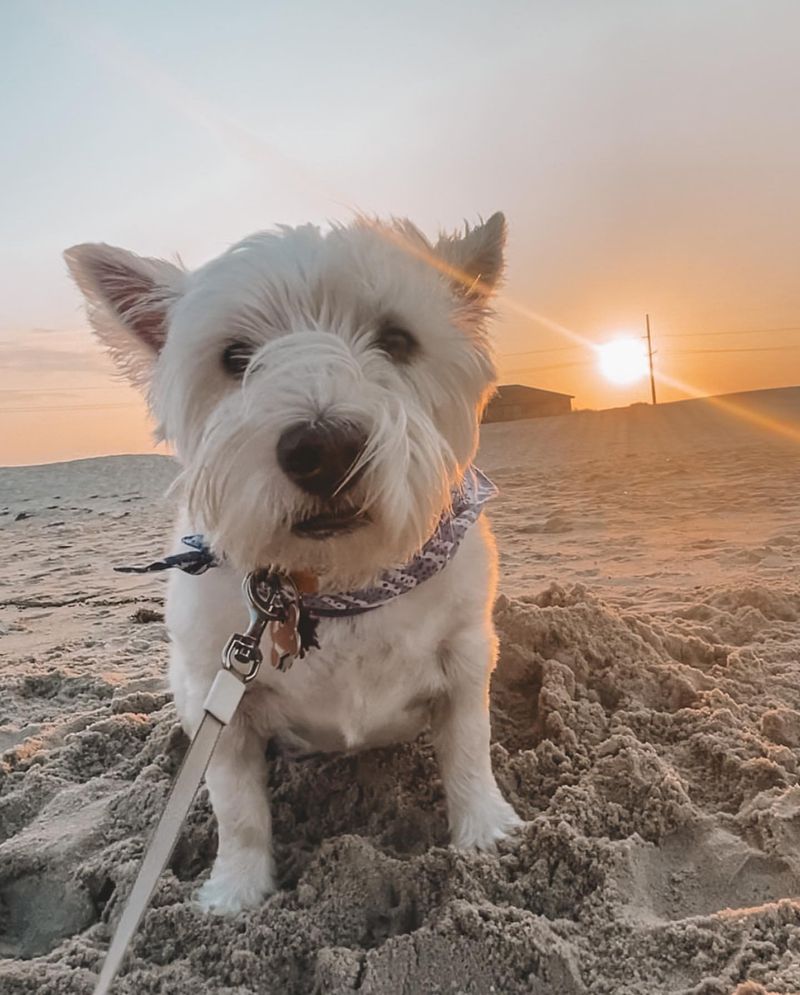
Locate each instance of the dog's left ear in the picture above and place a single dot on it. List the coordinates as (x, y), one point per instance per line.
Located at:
(476, 257)
(128, 300)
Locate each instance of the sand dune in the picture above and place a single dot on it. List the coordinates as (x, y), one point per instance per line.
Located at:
(646, 724)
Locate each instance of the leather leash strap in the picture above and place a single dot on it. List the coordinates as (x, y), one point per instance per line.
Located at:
(223, 698)
(273, 604)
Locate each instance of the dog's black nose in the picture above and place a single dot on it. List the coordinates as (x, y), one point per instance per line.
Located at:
(319, 456)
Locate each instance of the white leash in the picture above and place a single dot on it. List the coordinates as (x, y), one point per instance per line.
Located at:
(273, 603)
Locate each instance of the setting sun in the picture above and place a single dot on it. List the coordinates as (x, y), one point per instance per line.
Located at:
(623, 361)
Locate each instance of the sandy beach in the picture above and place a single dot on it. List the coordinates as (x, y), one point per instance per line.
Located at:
(646, 724)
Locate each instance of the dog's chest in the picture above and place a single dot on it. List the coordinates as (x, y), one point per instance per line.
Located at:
(356, 692)
(373, 682)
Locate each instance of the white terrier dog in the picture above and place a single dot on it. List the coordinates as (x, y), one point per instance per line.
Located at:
(323, 393)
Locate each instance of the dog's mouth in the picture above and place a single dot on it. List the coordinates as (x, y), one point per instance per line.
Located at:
(331, 523)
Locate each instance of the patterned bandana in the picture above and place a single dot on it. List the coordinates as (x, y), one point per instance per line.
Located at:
(475, 491)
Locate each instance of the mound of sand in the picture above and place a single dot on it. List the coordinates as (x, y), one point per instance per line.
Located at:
(646, 716)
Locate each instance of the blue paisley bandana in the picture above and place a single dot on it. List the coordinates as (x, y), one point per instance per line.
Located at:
(467, 504)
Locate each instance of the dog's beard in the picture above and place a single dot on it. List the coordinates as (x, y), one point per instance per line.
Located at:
(254, 516)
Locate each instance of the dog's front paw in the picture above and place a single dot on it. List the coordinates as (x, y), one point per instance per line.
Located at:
(480, 827)
(237, 884)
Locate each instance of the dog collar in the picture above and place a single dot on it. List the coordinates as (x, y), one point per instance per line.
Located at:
(467, 504)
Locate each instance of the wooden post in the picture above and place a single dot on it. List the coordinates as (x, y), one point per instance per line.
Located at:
(650, 359)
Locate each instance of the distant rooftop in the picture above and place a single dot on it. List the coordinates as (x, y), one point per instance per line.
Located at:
(516, 391)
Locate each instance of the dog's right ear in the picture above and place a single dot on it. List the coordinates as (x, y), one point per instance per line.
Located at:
(128, 300)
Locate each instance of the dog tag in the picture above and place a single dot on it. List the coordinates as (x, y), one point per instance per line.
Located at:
(285, 639)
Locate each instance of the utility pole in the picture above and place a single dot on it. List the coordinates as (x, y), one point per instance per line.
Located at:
(650, 359)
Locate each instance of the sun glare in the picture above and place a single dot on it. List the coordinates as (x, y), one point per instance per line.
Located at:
(623, 361)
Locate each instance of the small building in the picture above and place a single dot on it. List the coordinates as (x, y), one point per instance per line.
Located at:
(513, 401)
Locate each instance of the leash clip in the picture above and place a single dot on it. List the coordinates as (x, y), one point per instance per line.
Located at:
(242, 651)
(272, 600)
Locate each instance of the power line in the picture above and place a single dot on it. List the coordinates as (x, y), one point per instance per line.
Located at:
(741, 331)
(671, 335)
(755, 348)
(532, 352)
(671, 352)
(542, 369)
(676, 352)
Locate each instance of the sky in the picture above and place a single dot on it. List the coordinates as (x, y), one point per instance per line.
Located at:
(646, 154)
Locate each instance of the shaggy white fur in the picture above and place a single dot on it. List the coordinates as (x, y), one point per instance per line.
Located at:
(371, 327)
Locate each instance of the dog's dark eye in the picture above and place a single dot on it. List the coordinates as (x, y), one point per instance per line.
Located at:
(397, 343)
(236, 358)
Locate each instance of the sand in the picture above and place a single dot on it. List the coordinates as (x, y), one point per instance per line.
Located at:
(646, 715)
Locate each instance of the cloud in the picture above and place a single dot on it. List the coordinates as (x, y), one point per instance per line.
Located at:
(17, 357)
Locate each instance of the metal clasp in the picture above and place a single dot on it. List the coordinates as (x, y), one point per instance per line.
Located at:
(272, 598)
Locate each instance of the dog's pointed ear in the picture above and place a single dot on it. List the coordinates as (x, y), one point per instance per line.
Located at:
(128, 299)
(476, 257)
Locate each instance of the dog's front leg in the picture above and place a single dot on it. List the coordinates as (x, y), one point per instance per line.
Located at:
(243, 873)
(477, 813)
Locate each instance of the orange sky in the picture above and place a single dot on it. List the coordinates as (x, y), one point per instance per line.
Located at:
(646, 157)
